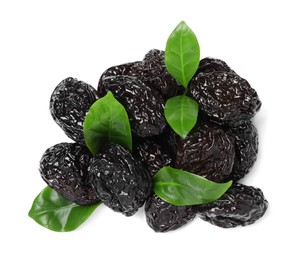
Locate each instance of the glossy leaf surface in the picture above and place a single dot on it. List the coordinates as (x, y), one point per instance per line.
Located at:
(182, 188)
(52, 211)
(107, 121)
(182, 54)
(181, 113)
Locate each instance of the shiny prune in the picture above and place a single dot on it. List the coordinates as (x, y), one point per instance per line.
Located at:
(154, 70)
(64, 168)
(241, 205)
(144, 106)
(208, 65)
(154, 154)
(245, 139)
(162, 216)
(119, 180)
(224, 97)
(70, 101)
(207, 151)
(132, 69)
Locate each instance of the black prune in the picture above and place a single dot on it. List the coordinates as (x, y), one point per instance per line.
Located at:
(154, 154)
(224, 97)
(208, 65)
(241, 205)
(132, 69)
(162, 216)
(207, 151)
(154, 70)
(245, 139)
(144, 106)
(69, 104)
(64, 168)
(119, 180)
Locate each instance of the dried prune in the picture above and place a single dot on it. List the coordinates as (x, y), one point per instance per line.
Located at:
(154, 70)
(208, 65)
(206, 151)
(119, 180)
(69, 104)
(144, 106)
(132, 69)
(245, 140)
(64, 168)
(241, 205)
(162, 216)
(154, 154)
(224, 97)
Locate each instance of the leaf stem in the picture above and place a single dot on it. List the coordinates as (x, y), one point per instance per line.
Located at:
(185, 92)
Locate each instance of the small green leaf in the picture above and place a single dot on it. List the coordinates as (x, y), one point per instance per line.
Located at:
(54, 212)
(181, 113)
(182, 54)
(107, 121)
(182, 188)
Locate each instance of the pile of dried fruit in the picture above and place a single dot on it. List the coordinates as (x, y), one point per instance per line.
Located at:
(172, 132)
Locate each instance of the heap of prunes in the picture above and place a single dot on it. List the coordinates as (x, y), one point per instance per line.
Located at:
(222, 146)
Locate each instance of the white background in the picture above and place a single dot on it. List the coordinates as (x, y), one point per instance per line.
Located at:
(43, 42)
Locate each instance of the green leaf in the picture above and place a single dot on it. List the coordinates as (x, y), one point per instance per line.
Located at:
(182, 54)
(107, 121)
(181, 113)
(54, 212)
(182, 188)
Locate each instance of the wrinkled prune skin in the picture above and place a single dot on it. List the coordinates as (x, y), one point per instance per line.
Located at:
(64, 168)
(245, 139)
(154, 154)
(119, 180)
(154, 70)
(162, 216)
(208, 65)
(241, 205)
(224, 97)
(144, 106)
(207, 151)
(70, 101)
(132, 69)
